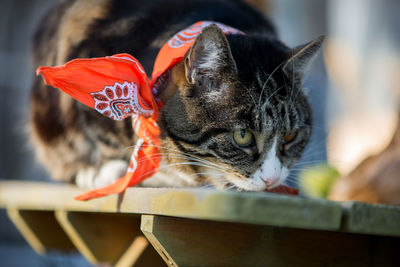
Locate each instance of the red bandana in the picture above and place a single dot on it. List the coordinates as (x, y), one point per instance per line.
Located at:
(118, 88)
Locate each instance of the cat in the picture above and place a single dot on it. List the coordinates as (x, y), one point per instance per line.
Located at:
(234, 114)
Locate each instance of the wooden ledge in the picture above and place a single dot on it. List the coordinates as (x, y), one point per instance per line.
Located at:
(206, 204)
(183, 225)
(254, 208)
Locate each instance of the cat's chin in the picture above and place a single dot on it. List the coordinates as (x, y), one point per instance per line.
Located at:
(248, 184)
(234, 182)
(253, 184)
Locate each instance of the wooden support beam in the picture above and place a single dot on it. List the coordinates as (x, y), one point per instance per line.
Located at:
(140, 254)
(186, 242)
(108, 238)
(147, 227)
(40, 229)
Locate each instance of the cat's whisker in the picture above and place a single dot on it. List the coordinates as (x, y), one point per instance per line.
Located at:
(214, 174)
(312, 154)
(300, 168)
(181, 163)
(179, 157)
(291, 91)
(298, 89)
(187, 163)
(291, 179)
(286, 86)
(170, 165)
(311, 157)
(266, 82)
(249, 181)
(231, 187)
(191, 156)
(206, 186)
(188, 156)
(308, 164)
(250, 94)
(266, 101)
(311, 162)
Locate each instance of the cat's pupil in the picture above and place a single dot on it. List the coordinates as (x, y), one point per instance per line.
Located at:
(242, 133)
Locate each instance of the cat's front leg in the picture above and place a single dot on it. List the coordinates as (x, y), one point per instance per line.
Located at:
(91, 177)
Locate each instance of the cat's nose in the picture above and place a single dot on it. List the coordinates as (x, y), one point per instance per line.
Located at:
(270, 181)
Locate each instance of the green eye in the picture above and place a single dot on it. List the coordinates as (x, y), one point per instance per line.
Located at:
(243, 137)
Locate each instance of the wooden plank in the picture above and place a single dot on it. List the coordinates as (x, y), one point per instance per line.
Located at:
(51, 196)
(140, 254)
(147, 225)
(104, 238)
(271, 209)
(150, 258)
(371, 219)
(41, 230)
(133, 252)
(185, 242)
(255, 208)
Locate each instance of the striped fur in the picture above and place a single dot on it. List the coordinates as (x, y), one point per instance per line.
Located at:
(250, 81)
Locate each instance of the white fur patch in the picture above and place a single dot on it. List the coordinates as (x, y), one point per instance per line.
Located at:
(85, 178)
(169, 177)
(215, 95)
(271, 173)
(211, 58)
(218, 93)
(108, 173)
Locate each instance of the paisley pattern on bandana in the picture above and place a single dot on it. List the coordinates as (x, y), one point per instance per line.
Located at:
(119, 101)
(161, 83)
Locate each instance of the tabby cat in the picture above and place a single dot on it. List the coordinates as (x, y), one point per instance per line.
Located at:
(234, 114)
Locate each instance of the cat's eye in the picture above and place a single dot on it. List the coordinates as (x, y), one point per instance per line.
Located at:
(289, 137)
(243, 137)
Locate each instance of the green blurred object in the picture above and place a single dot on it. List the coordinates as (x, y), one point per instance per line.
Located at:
(316, 181)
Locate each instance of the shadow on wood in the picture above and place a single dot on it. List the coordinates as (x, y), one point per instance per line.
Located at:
(108, 238)
(41, 230)
(183, 242)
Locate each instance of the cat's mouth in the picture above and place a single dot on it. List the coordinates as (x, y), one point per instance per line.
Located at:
(271, 183)
(256, 184)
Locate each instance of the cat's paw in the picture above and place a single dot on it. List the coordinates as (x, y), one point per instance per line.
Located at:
(85, 177)
(110, 172)
(91, 177)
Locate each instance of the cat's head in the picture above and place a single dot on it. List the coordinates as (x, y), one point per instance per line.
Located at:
(234, 113)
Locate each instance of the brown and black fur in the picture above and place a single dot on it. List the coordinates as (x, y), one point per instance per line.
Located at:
(69, 137)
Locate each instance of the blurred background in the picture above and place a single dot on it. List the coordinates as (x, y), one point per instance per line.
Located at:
(353, 87)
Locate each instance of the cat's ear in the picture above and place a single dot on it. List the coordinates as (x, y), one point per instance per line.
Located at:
(300, 58)
(209, 56)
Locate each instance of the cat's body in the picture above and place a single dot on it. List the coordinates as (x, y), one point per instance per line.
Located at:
(243, 86)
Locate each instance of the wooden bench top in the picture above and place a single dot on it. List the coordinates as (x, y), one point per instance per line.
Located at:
(206, 204)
